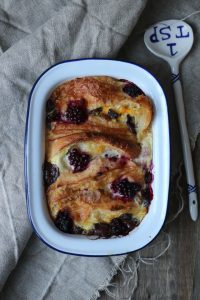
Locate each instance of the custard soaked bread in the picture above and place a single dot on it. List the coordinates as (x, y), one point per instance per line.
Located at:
(97, 169)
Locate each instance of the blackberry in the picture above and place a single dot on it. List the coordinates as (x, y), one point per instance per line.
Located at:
(119, 226)
(131, 124)
(50, 173)
(64, 222)
(125, 188)
(79, 160)
(148, 177)
(132, 90)
(147, 194)
(76, 112)
(113, 114)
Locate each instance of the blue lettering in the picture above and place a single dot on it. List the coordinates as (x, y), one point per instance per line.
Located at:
(171, 48)
(181, 33)
(167, 35)
(153, 37)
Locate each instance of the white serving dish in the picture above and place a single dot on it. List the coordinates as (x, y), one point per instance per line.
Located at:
(34, 158)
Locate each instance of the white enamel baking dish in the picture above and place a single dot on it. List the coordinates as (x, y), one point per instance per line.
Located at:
(34, 158)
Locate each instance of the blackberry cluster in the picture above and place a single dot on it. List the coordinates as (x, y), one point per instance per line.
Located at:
(117, 227)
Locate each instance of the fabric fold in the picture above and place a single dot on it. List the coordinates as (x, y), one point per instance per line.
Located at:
(51, 272)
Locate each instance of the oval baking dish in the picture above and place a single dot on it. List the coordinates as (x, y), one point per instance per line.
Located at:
(35, 150)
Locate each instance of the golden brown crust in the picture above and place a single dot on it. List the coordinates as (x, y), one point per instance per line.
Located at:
(87, 195)
(93, 89)
(122, 144)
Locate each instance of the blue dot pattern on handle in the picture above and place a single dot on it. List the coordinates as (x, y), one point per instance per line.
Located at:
(191, 188)
(175, 77)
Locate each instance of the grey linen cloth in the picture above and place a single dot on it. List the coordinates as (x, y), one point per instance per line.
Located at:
(33, 36)
(50, 31)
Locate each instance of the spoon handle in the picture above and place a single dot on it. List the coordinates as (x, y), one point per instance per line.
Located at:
(191, 186)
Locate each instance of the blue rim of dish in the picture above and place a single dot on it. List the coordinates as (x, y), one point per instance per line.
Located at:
(25, 159)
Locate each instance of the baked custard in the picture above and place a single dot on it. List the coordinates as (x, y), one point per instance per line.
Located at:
(98, 158)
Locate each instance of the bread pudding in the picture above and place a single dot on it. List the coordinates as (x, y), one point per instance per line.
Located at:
(98, 156)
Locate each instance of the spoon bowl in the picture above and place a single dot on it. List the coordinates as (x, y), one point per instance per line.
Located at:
(170, 40)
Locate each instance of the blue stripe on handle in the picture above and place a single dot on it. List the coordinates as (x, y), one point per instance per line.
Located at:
(175, 77)
(191, 188)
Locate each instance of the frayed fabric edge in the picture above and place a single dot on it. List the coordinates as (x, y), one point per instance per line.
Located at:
(113, 272)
